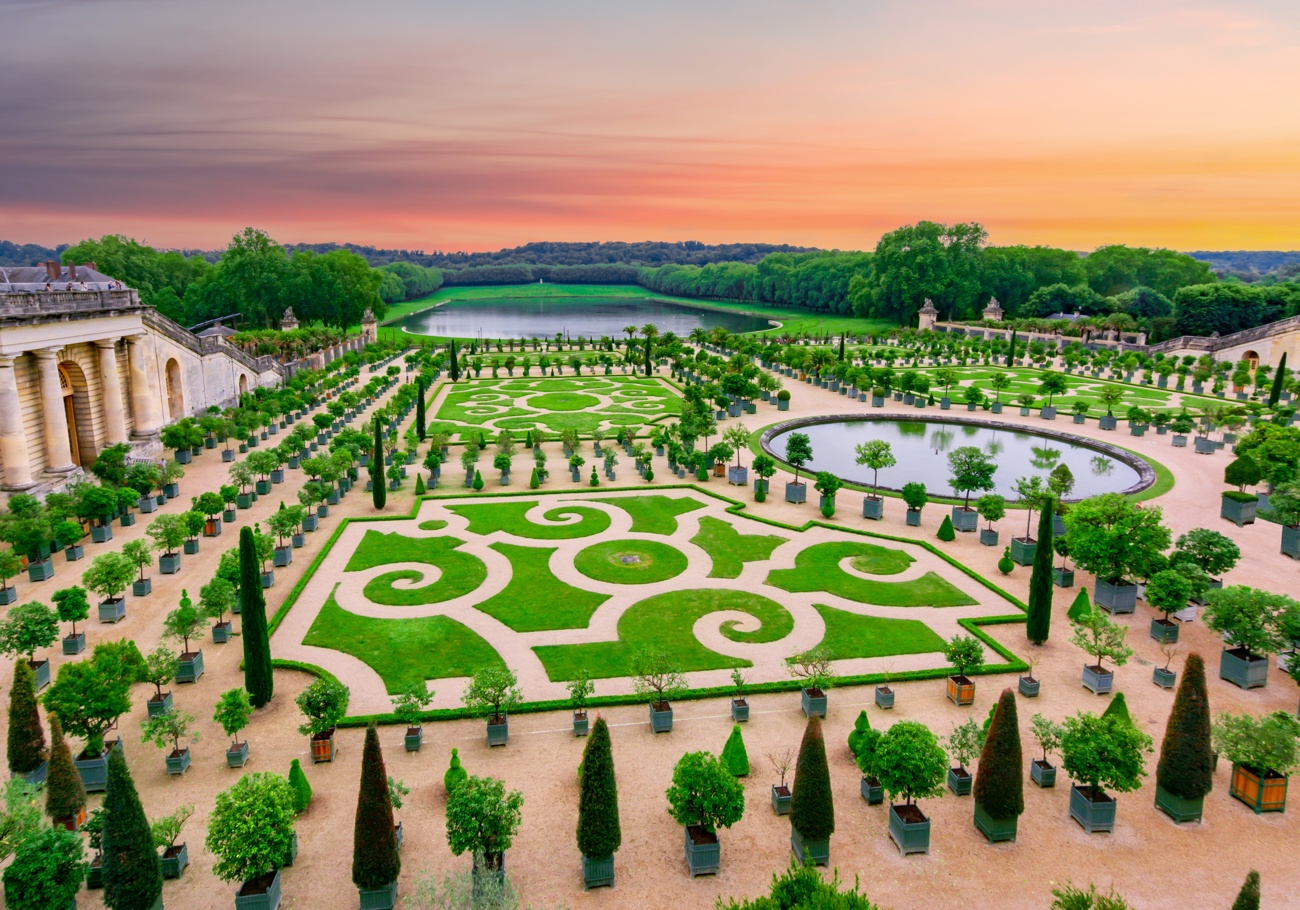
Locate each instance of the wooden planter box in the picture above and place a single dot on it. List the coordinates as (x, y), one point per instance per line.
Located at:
(597, 872)
(661, 721)
(414, 738)
(1028, 686)
(1241, 668)
(810, 852)
(236, 756)
(996, 830)
(910, 836)
(781, 797)
(322, 747)
(1022, 551)
(261, 893)
(872, 791)
(796, 493)
(384, 898)
(884, 697)
(212, 527)
(813, 702)
(739, 710)
(1164, 631)
(157, 707)
(959, 781)
(964, 519)
(1179, 809)
(1093, 812)
(1042, 773)
(178, 762)
(961, 691)
(191, 667)
(1263, 793)
(873, 508)
(703, 851)
(174, 860)
(1115, 598)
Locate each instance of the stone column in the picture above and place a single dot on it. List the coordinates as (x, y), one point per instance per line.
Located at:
(13, 438)
(58, 454)
(111, 392)
(144, 399)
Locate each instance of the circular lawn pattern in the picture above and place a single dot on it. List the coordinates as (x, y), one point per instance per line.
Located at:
(630, 562)
(563, 401)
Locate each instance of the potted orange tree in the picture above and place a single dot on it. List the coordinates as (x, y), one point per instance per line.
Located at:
(1101, 753)
(704, 796)
(910, 763)
(324, 703)
(491, 693)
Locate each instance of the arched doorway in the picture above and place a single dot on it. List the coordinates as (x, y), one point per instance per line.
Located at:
(78, 413)
(1252, 358)
(175, 395)
(243, 384)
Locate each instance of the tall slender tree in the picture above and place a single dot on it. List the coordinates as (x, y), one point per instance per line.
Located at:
(1185, 769)
(1248, 896)
(453, 367)
(419, 408)
(132, 874)
(999, 782)
(1279, 380)
(65, 794)
(258, 679)
(378, 492)
(1039, 623)
(375, 860)
(599, 833)
(812, 805)
(26, 735)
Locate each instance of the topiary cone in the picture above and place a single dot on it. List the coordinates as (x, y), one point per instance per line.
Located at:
(301, 787)
(812, 805)
(946, 531)
(132, 874)
(860, 726)
(1081, 609)
(26, 735)
(1248, 896)
(375, 861)
(65, 795)
(456, 775)
(734, 757)
(1118, 707)
(1186, 762)
(599, 832)
(999, 783)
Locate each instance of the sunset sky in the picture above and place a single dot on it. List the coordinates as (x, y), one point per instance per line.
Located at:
(478, 125)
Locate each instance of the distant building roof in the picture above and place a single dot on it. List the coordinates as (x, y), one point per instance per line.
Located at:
(217, 330)
(1068, 317)
(55, 277)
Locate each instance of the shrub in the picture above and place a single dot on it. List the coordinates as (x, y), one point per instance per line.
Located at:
(232, 712)
(910, 761)
(1118, 708)
(1242, 472)
(812, 804)
(1103, 752)
(1080, 608)
(734, 756)
(946, 532)
(1069, 897)
(1006, 565)
(861, 727)
(47, 870)
(491, 693)
(914, 494)
(26, 746)
(599, 832)
(999, 783)
(65, 794)
(324, 703)
(1262, 744)
(483, 819)
(1248, 896)
(802, 887)
(704, 792)
(132, 876)
(455, 774)
(1185, 765)
(375, 861)
(965, 653)
(300, 787)
(251, 829)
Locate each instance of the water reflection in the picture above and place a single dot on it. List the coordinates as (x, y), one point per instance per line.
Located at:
(1102, 466)
(1045, 458)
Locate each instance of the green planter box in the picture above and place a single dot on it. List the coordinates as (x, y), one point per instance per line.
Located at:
(959, 781)
(1028, 686)
(236, 756)
(739, 710)
(1241, 668)
(988, 537)
(873, 508)
(796, 493)
(221, 632)
(262, 893)
(1092, 813)
(94, 770)
(1042, 773)
(996, 830)
(884, 697)
(872, 791)
(813, 702)
(909, 836)
(810, 852)
(112, 610)
(1115, 598)
(191, 667)
(781, 797)
(581, 723)
(661, 721)
(703, 851)
(597, 872)
(40, 571)
(101, 533)
(414, 738)
(1063, 578)
(1176, 807)
(498, 734)
(1099, 682)
(913, 517)
(157, 707)
(1164, 678)
(1164, 631)
(73, 645)
(174, 860)
(1239, 513)
(378, 898)
(1022, 551)
(169, 564)
(127, 519)
(142, 587)
(1291, 542)
(965, 520)
(178, 762)
(190, 547)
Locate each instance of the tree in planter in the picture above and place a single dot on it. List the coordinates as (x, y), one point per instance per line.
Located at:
(971, 471)
(965, 653)
(217, 598)
(483, 819)
(251, 828)
(132, 876)
(812, 804)
(798, 452)
(1242, 472)
(160, 668)
(492, 693)
(47, 870)
(828, 485)
(108, 574)
(410, 704)
(185, 622)
(1033, 496)
(1047, 733)
(168, 730)
(324, 703)
(1099, 636)
(232, 713)
(1115, 538)
(656, 676)
(72, 606)
(375, 860)
(1213, 553)
(1039, 622)
(10, 565)
(599, 832)
(168, 533)
(26, 628)
(991, 508)
(1103, 753)
(999, 783)
(139, 554)
(1254, 619)
(65, 795)
(89, 697)
(910, 763)
(165, 830)
(915, 496)
(258, 678)
(965, 742)
(704, 796)
(1186, 766)
(1168, 590)
(764, 466)
(815, 667)
(875, 454)
(26, 744)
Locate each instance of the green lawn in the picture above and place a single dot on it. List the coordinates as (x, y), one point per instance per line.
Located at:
(850, 635)
(817, 569)
(403, 651)
(729, 549)
(535, 600)
(630, 562)
(490, 517)
(653, 513)
(557, 404)
(461, 572)
(666, 621)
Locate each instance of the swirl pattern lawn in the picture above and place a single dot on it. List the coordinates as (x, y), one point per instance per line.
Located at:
(630, 562)
(461, 573)
(490, 517)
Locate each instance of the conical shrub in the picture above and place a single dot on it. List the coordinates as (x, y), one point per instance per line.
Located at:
(26, 735)
(455, 775)
(375, 861)
(999, 782)
(1118, 707)
(734, 756)
(1081, 608)
(419, 484)
(1248, 896)
(65, 794)
(861, 725)
(1185, 769)
(132, 874)
(1039, 622)
(258, 679)
(301, 787)
(946, 531)
(599, 832)
(812, 805)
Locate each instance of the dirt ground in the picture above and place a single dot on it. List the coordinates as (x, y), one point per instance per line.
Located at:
(1153, 862)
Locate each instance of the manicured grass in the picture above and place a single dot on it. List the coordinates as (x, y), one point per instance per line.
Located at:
(535, 600)
(460, 572)
(850, 635)
(564, 401)
(558, 404)
(729, 549)
(653, 513)
(433, 524)
(666, 621)
(630, 562)
(817, 569)
(490, 517)
(400, 650)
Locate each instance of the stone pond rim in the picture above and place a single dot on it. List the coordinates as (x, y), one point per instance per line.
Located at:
(1146, 473)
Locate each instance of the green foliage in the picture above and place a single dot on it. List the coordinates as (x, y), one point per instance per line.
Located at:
(26, 745)
(492, 693)
(734, 756)
(803, 888)
(108, 574)
(455, 774)
(946, 532)
(47, 870)
(1081, 608)
(914, 495)
(1253, 618)
(599, 832)
(88, 698)
(258, 678)
(167, 730)
(705, 792)
(323, 703)
(859, 733)
(71, 605)
(965, 742)
(1185, 768)
(1115, 538)
(378, 492)
(999, 783)
(251, 828)
(1168, 590)
(1265, 743)
(232, 712)
(132, 876)
(411, 702)
(64, 792)
(1102, 638)
(27, 628)
(481, 817)
(812, 803)
(910, 762)
(1070, 897)
(1118, 707)
(798, 451)
(992, 507)
(1248, 896)
(1214, 553)
(1242, 472)
(375, 860)
(1006, 565)
(300, 787)
(1039, 622)
(1104, 752)
(165, 830)
(971, 470)
(1047, 733)
(965, 653)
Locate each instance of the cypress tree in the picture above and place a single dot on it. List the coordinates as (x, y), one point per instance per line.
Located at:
(454, 366)
(375, 861)
(26, 735)
(1011, 352)
(301, 787)
(1185, 766)
(735, 758)
(378, 492)
(649, 347)
(257, 642)
(65, 795)
(419, 408)
(812, 806)
(1248, 896)
(1278, 381)
(841, 347)
(1039, 622)
(132, 873)
(999, 782)
(599, 833)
